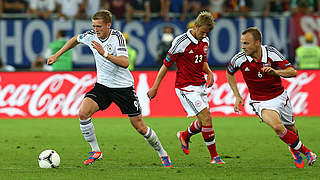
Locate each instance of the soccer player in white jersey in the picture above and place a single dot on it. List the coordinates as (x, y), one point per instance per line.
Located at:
(189, 51)
(114, 84)
(262, 68)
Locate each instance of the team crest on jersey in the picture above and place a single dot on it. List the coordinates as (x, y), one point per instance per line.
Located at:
(109, 48)
(198, 103)
(205, 49)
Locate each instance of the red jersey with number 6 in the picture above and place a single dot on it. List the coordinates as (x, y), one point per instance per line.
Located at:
(189, 55)
(262, 86)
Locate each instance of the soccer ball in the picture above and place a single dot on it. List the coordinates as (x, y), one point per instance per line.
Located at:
(49, 159)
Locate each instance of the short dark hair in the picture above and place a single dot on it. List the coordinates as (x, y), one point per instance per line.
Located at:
(254, 32)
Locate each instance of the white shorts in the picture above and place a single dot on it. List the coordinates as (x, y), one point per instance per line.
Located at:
(281, 104)
(193, 98)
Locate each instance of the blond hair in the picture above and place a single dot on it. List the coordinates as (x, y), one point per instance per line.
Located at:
(205, 19)
(254, 32)
(103, 14)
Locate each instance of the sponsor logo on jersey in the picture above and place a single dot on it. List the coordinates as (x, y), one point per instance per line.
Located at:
(246, 69)
(190, 52)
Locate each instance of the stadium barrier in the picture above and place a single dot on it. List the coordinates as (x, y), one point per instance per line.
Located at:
(59, 94)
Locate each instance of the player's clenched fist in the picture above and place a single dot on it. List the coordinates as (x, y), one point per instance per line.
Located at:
(152, 93)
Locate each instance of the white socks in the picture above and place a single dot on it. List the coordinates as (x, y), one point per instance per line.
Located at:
(88, 132)
(89, 135)
(152, 138)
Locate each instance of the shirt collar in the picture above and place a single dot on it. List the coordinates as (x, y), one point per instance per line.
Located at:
(190, 36)
(264, 58)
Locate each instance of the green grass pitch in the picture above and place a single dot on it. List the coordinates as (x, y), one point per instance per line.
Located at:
(250, 149)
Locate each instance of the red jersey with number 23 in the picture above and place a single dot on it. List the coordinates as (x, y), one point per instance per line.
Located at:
(189, 55)
(262, 86)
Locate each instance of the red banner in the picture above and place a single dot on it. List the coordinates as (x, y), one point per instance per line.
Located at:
(52, 94)
(305, 23)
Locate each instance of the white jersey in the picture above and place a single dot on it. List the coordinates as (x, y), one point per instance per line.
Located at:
(108, 73)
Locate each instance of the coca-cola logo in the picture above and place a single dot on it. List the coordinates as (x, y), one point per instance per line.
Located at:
(60, 95)
(222, 98)
(45, 97)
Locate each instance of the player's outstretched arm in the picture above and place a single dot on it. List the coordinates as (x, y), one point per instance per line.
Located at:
(69, 45)
(233, 85)
(154, 89)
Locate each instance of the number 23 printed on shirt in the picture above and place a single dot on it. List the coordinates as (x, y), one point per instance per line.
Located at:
(198, 58)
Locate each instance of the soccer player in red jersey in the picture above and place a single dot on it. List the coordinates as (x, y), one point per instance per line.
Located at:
(262, 68)
(189, 51)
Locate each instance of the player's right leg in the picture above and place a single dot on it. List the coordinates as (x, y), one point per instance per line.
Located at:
(272, 118)
(87, 109)
(151, 138)
(193, 101)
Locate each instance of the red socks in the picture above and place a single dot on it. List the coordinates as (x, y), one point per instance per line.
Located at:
(192, 130)
(207, 133)
(208, 136)
(293, 141)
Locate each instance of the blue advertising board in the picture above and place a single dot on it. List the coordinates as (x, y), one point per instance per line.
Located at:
(21, 41)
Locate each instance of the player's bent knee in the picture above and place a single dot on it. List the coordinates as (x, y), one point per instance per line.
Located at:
(142, 130)
(206, 121)
(84, 115)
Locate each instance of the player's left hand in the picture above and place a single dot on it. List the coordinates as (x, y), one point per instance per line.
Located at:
(269, 70)
(152, 93)
(98, 47)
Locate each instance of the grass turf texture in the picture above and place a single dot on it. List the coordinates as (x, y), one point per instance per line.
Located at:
(250, 149)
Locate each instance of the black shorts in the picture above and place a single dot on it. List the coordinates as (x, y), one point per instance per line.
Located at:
(125, 98)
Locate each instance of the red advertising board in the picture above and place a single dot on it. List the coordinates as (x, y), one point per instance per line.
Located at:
(59, 94)
(303, 23)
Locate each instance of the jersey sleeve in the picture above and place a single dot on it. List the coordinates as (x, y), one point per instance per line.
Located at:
(280, 61)
(121, 48)
(170, 59)
(172, 53)
(233, 66)
(284, 64)
(86, 37)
